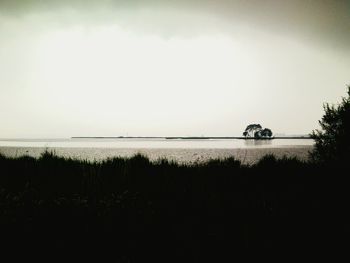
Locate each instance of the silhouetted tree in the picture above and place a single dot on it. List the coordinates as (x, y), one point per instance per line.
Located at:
(251, 130)
(256, 131)
(332, 141)
(257, 134)
(266, 133)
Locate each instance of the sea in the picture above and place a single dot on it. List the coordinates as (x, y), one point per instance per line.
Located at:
(179, 150)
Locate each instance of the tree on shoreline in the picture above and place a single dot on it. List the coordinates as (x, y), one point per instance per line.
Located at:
(251, 130)
(256, 131)
(332, 141)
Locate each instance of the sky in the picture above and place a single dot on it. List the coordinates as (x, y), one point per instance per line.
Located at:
(169, 68)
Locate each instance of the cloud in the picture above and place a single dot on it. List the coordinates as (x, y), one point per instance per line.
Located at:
(323, 22)
(208, 65)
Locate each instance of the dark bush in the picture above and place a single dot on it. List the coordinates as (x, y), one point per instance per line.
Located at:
(332, 141)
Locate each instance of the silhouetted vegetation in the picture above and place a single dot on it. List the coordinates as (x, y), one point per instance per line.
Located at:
(136, 210)
(257, 132)
(333, 141)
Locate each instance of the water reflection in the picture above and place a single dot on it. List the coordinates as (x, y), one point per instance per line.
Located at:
(252, 142)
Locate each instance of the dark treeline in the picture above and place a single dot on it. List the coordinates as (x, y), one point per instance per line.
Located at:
(136, 210)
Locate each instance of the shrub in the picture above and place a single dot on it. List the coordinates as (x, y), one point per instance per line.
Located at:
(332, 142)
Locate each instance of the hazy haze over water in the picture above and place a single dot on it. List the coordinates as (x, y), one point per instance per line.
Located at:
(183, 151)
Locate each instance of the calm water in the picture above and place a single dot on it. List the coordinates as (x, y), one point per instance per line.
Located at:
(179, 150)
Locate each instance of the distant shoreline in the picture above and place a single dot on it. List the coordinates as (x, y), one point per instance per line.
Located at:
(187, 138)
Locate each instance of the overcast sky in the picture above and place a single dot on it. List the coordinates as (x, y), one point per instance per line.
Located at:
(169, 68)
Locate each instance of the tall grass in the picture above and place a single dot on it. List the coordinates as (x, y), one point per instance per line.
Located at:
(166, 211)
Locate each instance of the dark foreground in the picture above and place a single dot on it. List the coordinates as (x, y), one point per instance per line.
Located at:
(133, 210)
